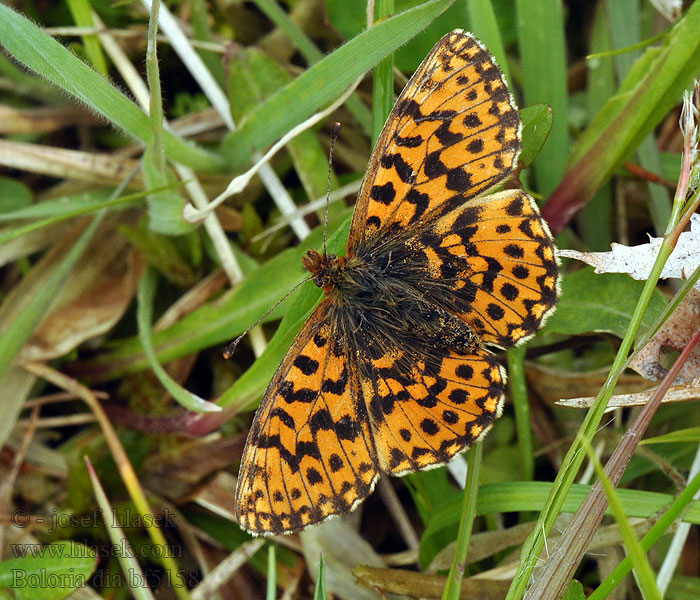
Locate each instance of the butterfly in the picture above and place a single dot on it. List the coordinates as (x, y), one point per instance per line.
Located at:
(392, 372)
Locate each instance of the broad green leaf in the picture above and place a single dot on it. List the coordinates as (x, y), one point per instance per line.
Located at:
(48, 572)
(574, 591)
(165, 204)
(326, 80)
(603, 302)
(15, 196)
(537, 123)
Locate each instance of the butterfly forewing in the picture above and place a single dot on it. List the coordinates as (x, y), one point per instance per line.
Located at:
(453, 133)
(309, 454)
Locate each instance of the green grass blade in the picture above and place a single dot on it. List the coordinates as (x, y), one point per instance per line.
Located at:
(21, 328)
(453, 587)
(596, 219)
(271, 593)
(624, 18)
(653, 87)
(543, 57)
(320, 591)
(145, 295)
(82, 15)
(326, 80)
(482, 20)
(645, 575)
(312, 54)
(674, 511)
(32, 47)
(518, 391)
(383, 88)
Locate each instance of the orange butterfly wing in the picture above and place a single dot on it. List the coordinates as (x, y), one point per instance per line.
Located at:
(453, 133)
(309, 452)
(493, 263)
(423, 416)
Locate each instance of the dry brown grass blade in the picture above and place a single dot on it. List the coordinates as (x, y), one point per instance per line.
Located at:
(422, 585)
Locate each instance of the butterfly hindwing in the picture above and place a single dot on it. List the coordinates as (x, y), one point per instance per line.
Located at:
(493, 263)
(424, 416)
(453, 133)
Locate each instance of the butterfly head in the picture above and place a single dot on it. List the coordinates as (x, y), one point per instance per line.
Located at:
(327, 269)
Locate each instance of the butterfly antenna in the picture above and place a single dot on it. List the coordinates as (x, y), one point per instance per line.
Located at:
(335, 132)
(231, 348)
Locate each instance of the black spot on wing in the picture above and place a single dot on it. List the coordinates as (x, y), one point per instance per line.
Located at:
(515, 208)
(476, 146)
(290, 395)
(521, 272)
(396, 458)
(495, 311)
(409, 141)
(402, 168)
(472, 121)
(321, 420)
(306, 364)
(336, 463)
(509, 291)
(465, 372)
(338, 386)
(450, 417)
(408, 107)
(384, 194)
(420, 201)
(313, 476)
(434, 167)
(467, 217)
(458, 180)
(374, 221)
(429, 426)
(283, 416)
(514, 251)
(347, 428)
(447, 137)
